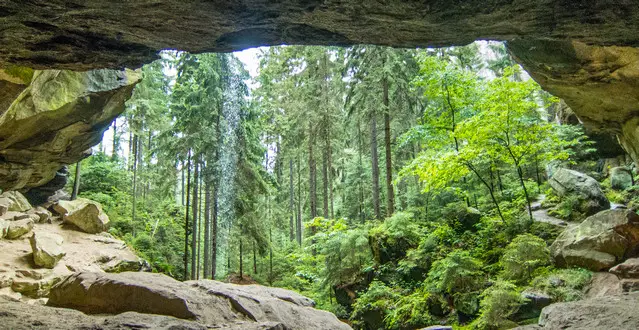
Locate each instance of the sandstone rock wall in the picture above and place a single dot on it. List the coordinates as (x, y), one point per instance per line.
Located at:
(91, 34)
(55, 119)
(599, 83)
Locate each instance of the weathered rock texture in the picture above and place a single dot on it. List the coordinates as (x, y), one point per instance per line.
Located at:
(208, 302)
(599, 242)
(94, 34)
(608, 312)
(84, 214)
(600, 84)
(31, 264)
(581, 52)
(55, 119)
(47, 249)
(23, 316)
(568, 182)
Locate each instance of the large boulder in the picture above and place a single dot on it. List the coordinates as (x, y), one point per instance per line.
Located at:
(620, 178)
(47, 249)
(599, 242)
(568, 182)
(26, 316)
(608, 312)
(209, 302)
(56, 117)
(13, 201)
(627, 269)
(84, 214)
(16, 229)
(603, 284)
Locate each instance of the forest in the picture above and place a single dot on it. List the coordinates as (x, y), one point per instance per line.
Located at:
(395, 187)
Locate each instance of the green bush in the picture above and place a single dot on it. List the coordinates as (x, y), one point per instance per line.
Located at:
(523, 256)
(498, 303)
(372, 306)
(563, 284)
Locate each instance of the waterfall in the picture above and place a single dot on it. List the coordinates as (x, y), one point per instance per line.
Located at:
(233, 101)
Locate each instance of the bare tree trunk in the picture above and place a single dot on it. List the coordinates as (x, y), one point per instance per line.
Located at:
(130, 148)
(325, 183)
(207, 228)
(254, 260)
(360, 164)
(390, 194)
(241, 257)
(291, 192)
(199, 223)
(182, 191)
(76, 181)
(114, 152)
(148, 157)
(186, 219)
(375, 167)
(299, 202)
(270, 257)
(312, 174)
(135, 175)
(194, 233)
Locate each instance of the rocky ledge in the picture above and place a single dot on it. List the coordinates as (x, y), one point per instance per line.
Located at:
(51, 118)
(158, 301)
(40, 247)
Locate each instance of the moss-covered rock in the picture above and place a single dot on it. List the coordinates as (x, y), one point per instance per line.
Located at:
(55, 119)
(599, 242)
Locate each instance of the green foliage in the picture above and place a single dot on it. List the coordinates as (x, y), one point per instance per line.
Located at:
(567, 208)
(370, 309)
(563, 284)
(305, 151)
(523, 256)
(414, 311)
(498, 303)
(458, 276)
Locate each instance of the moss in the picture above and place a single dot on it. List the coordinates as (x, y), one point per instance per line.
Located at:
(23, 73)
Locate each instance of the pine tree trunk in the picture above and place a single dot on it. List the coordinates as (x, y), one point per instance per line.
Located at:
(375, 167)
(325, 183)
(182, 182)
(291, 193)
(360, 167)
(135, 175)
(114, 151)
(390, 194)
(130, 154)
(254, 260)
(207, 229)
(312, 174)
(241, 259)
(194, 233)
(299, 202)
(186, 219)
(199, 223)
(331, 197)
(147, 186)
(76, 181)
(270, 257)
(214, 235)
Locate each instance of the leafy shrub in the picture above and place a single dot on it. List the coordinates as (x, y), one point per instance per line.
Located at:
(370, 309)
(391, 239)
(522, 256)
(413, 311)
(498, 303)
(567, 209)
(563, 284)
